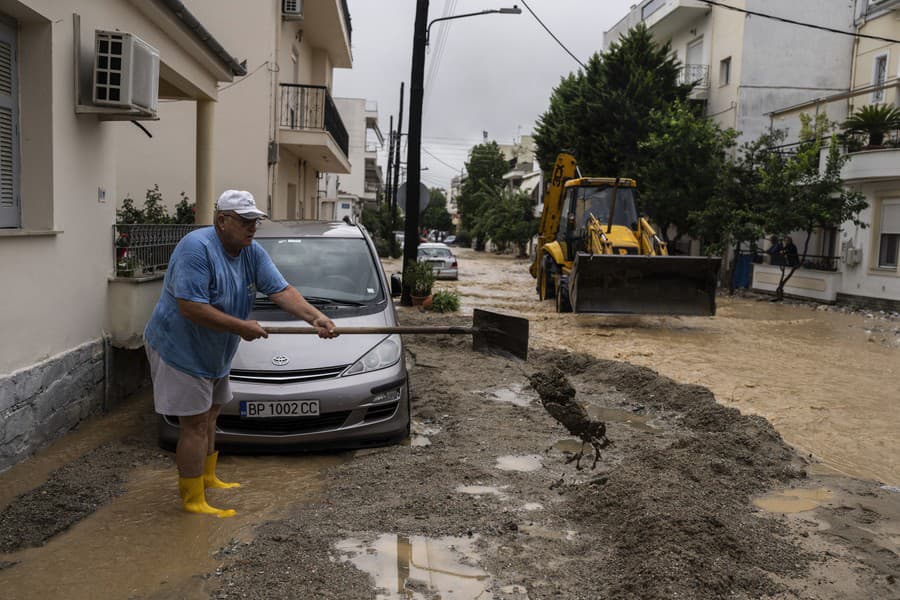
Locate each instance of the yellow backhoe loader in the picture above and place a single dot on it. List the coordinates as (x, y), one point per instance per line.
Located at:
(595, 254)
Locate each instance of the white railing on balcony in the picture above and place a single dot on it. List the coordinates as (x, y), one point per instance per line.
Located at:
(695, 74)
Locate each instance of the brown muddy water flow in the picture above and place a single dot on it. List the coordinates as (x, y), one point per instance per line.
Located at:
(133, 548)
(824, 379)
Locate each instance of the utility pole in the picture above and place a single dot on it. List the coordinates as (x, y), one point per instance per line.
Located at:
(396, 175)
(414, 144)
(387, 187)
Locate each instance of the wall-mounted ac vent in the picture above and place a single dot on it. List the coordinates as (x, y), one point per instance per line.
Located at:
(126, 71)
(292, 10)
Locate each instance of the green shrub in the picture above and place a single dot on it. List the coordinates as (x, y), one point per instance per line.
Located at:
(444, 301)
(419, 276)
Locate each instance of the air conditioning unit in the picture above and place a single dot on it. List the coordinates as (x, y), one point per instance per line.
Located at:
(292, 10)
(126, 71)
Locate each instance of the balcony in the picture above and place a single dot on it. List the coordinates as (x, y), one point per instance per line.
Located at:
(868, 165)
(665, 17)
(697, 75)
(327, 26)
(312, 129)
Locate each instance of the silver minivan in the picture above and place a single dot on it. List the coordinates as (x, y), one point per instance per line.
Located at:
(297, 391)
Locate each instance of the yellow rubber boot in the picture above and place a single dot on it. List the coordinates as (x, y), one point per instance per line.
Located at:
(209, 474)
(193, 498)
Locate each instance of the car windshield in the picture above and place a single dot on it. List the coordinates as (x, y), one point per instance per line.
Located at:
(434, 252)
(597, 200)
(335, 269)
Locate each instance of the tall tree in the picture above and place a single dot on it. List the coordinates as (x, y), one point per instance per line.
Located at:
(683, 158)
(435, 215)
(511, 221)
(484, 180)
(603, 113)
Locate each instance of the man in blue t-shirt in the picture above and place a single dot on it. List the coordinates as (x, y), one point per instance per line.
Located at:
(194, 331)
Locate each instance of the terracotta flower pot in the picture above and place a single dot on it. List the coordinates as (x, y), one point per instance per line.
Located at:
(420, 300)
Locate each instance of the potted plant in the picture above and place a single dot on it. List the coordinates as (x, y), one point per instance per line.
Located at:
(874, 120)
(419, 276)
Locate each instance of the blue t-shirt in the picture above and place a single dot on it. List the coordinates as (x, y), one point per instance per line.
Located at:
(201, 271)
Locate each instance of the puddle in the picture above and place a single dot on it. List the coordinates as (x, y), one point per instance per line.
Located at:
(524, 463)
(618, 415)
(529, 506)
(420, 568)
(96, 557)
(793, 500)
(517, 394)
(481, 490)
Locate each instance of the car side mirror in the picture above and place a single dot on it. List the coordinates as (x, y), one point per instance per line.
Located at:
(396, 285)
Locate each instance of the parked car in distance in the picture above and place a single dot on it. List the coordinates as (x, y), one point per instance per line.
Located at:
(443, 262)
(450, 239)
(294, 391)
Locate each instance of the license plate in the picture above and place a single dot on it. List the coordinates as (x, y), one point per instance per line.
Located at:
(283, 408)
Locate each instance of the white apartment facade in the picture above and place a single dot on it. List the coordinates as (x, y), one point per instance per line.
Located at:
(747, 66)
(277, 130)
(347, 195)
(58, 182)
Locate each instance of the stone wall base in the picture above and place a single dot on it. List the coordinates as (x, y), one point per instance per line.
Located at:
(42, 402)
(870, 303)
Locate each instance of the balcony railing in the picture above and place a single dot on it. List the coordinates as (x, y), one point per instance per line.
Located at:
(695, 74)
(145, 250)
(310, 108)
(372, 187)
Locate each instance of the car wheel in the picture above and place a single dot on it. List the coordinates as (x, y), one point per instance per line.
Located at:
(546, 289)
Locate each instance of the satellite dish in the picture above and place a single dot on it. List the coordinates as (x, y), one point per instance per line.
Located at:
(424, 197)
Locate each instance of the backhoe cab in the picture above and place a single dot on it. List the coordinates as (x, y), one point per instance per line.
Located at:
(595, 254)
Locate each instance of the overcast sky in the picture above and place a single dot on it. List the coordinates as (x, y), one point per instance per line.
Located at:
(490, 73)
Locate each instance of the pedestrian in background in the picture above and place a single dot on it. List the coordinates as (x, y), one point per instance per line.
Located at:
(775, 251)
(208, 292)
(792, 258)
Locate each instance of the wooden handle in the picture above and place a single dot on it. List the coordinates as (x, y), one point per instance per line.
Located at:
(353, 330)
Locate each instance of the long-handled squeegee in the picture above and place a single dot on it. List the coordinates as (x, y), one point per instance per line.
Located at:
(491, 332)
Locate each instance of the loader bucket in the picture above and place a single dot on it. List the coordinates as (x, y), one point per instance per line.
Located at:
(644, 285)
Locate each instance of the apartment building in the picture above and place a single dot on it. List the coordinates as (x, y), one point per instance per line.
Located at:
(66, 87)
(347, 195)
(746, 66)
(276, 131)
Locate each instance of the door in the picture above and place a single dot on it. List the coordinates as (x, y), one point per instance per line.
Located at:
(693, 63)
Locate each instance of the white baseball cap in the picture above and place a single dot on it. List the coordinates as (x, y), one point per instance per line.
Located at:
(241, 202)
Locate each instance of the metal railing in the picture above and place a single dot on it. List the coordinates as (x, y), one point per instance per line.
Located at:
(310, 108)
(346, 11)
(145, 250)
(695, 74)
(372, 187)
(815, 262)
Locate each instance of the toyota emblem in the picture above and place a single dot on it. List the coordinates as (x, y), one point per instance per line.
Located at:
(280, 360)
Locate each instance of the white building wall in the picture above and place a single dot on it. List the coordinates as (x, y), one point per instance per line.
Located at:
(784, 64)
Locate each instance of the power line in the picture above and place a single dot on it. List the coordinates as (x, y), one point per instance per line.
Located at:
(244, 78)
(547, 29)
(446, 164)
(793, 22)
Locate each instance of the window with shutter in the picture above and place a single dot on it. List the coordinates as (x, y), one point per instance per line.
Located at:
(889, 243)
(10, 213)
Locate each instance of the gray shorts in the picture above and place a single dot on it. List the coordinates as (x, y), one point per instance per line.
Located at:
(182, 394)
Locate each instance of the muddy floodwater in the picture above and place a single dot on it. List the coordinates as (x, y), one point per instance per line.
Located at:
(826, 380)
(753, 454)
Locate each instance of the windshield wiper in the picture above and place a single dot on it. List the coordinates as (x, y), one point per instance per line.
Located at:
(319, 300)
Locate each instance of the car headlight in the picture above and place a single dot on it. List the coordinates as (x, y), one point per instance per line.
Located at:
(383, 355)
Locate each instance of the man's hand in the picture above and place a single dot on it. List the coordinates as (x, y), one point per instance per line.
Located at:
(251, 330)
(325, 327)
